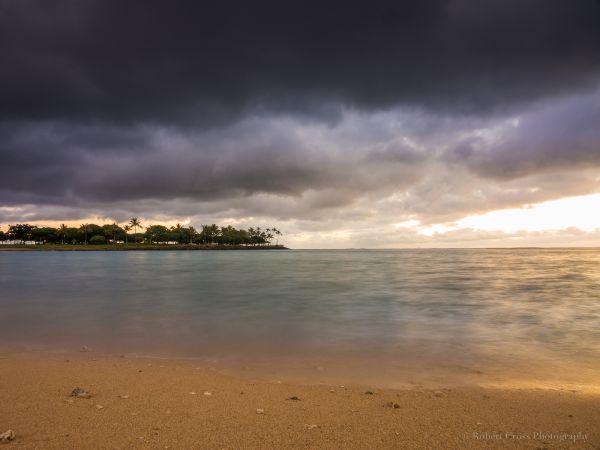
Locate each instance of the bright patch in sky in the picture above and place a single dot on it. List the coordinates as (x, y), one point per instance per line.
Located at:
(582, 212)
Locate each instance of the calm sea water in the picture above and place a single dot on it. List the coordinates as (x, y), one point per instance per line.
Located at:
(389, 316)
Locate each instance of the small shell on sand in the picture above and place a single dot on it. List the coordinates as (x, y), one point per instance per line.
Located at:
(260, 411)
(99, 406)
(7, 436)
(208, 394)
(192, 393)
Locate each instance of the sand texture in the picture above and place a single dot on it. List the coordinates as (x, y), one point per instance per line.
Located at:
(155, 404)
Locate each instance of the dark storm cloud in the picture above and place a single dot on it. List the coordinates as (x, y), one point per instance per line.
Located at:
(324, 113)
(564, 134)
(205, 62)
(72, 164)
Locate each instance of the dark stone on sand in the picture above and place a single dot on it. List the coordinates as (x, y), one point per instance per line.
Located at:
(294, 398)
(80, 393)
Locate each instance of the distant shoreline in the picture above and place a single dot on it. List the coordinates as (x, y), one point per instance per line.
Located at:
(133, 247)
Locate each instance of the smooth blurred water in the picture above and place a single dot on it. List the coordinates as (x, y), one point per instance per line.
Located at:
(382, 312)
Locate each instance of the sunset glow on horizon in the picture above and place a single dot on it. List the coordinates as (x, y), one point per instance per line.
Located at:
(582, 212)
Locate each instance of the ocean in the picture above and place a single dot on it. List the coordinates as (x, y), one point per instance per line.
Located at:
(393, 317)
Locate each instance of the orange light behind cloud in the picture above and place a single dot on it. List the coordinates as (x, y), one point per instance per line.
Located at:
(581, 212)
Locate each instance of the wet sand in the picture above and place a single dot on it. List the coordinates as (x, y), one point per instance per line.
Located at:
(157, 404)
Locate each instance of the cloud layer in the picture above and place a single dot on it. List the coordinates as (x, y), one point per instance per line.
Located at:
(327, 120)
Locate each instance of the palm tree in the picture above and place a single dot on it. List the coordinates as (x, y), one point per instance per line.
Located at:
(135, 222)
(277, 233)
(269, 234)
(84, 228)
(192, 233)
(63, 232)
(179, 236)
(259, 235)
(115, 227)
(127, 229)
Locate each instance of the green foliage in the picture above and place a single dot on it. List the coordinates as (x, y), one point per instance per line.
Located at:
(155, 234)
(86, 230)
(97, 240)
(71, 235)
(179, 234)
(45, 234)
(209, 234)
(20, 232)
(113, 232)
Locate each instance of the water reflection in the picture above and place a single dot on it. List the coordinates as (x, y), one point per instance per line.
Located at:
(531, 310)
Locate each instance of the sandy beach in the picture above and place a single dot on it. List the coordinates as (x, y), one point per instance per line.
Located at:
(159, 404)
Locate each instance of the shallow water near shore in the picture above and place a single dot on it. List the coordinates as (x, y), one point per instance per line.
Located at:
(388, 317)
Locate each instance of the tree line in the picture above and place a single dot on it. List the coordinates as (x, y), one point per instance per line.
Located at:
(90, 233)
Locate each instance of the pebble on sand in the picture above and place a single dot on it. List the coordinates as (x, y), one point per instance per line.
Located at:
(310, 426)
(124, 396)
(392, 405)
(208, 394)
(260, 411)
(192, 393)
(369, 393)
(294, 398)
(80, 393)
(7, 436)
(99, 406)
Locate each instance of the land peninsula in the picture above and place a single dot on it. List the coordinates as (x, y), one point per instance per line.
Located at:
(133, 236)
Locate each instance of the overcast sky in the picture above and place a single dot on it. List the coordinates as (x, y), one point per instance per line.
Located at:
(380, 124)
